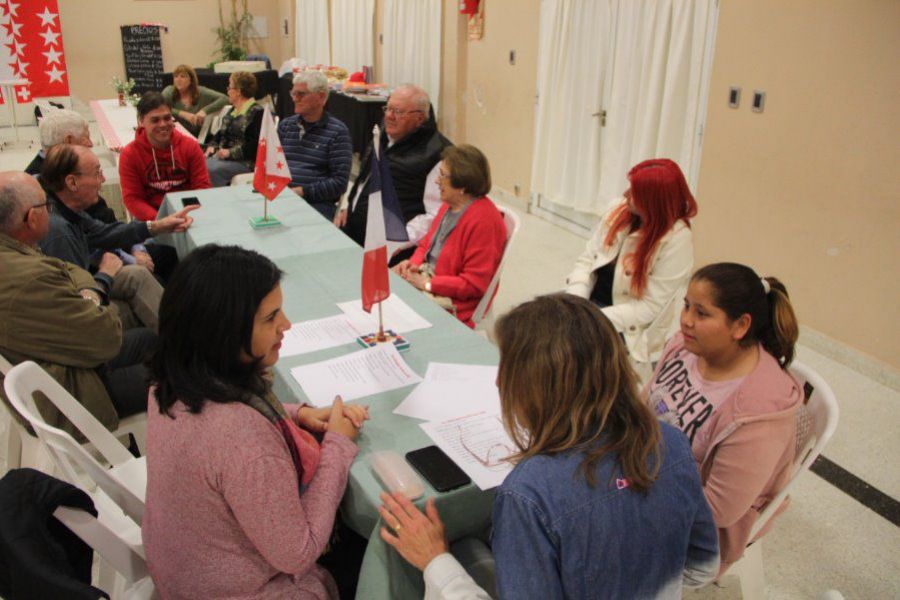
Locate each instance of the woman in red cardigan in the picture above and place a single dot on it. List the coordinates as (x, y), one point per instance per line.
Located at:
(458, 257)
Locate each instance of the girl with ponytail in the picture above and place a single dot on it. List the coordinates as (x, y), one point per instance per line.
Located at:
(722, 381)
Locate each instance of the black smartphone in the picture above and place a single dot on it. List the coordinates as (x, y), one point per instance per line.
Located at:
(435, 466)
(190, 201)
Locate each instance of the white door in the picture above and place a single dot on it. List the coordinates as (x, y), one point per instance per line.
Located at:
(619, 81)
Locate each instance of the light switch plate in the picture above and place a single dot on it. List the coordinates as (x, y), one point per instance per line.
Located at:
(759, 101)
(734, 96)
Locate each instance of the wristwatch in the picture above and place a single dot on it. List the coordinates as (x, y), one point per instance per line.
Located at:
(428, 286)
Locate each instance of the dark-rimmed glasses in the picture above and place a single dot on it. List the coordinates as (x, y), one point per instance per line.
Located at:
(399, 112)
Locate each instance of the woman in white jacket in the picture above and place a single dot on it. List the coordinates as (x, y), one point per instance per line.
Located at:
(637, 265)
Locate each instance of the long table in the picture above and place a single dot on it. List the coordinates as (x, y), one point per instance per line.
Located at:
(323, 267)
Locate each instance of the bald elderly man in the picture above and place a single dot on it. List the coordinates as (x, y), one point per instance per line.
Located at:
(413, 146)
(53, 312)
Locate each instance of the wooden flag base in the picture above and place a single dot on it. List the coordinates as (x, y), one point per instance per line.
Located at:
(264, 222)
(371, 340)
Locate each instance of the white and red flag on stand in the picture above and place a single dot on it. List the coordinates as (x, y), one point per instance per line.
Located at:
(31, 49)
(271, 174)
(384, 222)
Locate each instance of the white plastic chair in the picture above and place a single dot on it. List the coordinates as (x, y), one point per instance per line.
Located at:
(125, 482)
(211, 125)
(23, 449)
(242, 179)
(483, 310)
(816, 423)
(119, 553)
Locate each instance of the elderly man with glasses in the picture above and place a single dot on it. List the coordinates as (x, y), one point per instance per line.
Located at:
(316, 145)
(54, 313)
(67, 127)
(71, 176)
(412, 144)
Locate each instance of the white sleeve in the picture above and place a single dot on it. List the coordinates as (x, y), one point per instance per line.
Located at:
(668, 275)
(431, 198)
(445, 579)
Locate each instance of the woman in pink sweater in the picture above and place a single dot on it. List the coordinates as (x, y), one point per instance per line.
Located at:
(241, 497)
(722, 381)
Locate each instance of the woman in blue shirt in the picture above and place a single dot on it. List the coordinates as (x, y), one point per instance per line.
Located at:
(604, 502)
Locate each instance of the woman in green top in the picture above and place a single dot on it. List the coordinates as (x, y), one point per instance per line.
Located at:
(191, 102)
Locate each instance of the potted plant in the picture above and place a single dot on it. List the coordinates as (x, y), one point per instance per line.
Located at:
(123, 89)
(233, 37)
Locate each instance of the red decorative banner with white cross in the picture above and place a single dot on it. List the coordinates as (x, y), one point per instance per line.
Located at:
(31, 49)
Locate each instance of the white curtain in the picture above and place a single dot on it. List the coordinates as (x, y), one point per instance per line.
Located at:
(412, 45)
(312, 39)
(352, 29)
(643, 65)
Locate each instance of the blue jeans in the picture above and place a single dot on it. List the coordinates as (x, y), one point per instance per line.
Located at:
(221, 171)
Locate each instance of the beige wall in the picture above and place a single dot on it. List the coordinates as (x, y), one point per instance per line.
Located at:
(808, 190)
(497, 108)
(93, 42)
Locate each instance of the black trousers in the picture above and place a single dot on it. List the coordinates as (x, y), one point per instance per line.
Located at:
(165, 259)
(126, 377)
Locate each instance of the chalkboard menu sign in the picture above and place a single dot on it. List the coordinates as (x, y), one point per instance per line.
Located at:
(143, 57)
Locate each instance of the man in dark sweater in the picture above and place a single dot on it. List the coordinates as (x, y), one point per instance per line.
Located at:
(413, 145)
(316, 145)
(72, 178)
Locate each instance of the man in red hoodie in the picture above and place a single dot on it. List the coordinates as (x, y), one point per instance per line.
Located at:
(159, 160)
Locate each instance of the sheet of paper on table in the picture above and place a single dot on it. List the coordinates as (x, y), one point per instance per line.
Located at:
(318, 334)
(355, 375)
(478, 443)
(397, 316)
(452, 390)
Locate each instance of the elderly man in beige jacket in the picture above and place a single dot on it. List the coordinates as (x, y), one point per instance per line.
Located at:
(53, 313)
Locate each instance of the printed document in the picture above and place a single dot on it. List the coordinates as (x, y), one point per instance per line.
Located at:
(318, 334)
(452, 390)
(397, 316)
(355, 375)
(478, 444)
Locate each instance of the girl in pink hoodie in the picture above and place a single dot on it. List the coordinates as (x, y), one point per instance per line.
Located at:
(722, 381)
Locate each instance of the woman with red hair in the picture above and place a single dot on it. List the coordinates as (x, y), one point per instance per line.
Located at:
(637, 265)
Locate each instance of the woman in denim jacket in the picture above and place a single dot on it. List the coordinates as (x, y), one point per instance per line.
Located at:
(604, 502)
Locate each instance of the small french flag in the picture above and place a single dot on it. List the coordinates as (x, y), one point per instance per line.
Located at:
(384, 222)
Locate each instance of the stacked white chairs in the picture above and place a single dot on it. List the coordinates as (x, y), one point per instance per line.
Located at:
(24, 449)
(817, 420)
(118, 552)
(120, 487)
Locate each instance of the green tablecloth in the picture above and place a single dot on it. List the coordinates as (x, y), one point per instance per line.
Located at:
(323, 267)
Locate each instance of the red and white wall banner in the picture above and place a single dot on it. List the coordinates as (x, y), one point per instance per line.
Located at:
(31, 49)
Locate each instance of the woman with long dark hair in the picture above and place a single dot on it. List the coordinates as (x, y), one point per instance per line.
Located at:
(638, 262)
(604, 502)
(241, 495)
(190, 102)
(722, 381)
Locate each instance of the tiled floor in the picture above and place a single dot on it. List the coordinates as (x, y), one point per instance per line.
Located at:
(826, 540)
